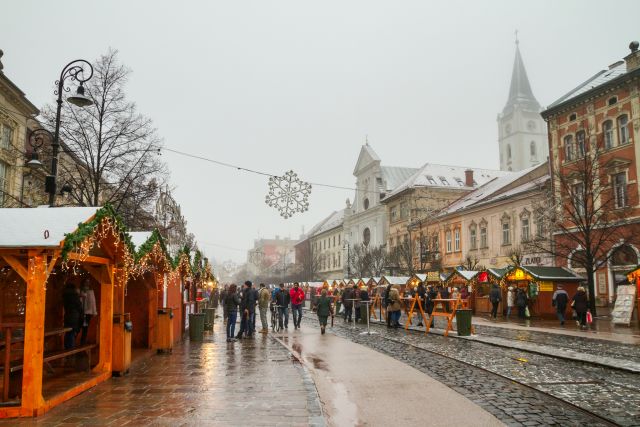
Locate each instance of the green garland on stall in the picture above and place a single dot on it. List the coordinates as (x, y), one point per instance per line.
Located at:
(86, 229)
(147, 247)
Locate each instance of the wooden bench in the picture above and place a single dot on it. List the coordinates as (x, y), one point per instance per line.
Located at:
(49, 357)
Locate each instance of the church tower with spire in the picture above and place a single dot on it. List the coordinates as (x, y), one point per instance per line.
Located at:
(522, 133)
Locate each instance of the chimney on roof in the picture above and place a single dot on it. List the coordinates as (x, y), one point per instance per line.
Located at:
(633, 59)
(468, 178)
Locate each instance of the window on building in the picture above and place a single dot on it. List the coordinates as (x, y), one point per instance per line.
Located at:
(339, 236)
(532, 150)
(366, 236)
(508, 152)
(339, 259)
(568, 148)
(459, 181)
(573, 116)
(578, 198)
(483, 237)
(506, 232)
(6, 136)
(444, 181)
(473, 241)
(366, 204)
(607, 128)
(613, 100)
(448, 240)
(456, 239)
(525, 228)
(580, 147)
(623, 129)
(404, 210)
(431, 180)
(4, 171)
(379, 181)
(620, 189)
(334, 241)
(394, 213)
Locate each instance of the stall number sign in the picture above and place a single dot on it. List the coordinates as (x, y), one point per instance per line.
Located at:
(623, 309)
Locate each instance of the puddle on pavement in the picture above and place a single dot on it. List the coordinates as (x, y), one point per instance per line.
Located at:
(297, 348)
(318, 363)
(345, 411)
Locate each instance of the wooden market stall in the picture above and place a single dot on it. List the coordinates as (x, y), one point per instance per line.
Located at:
(144, 293)
(540, 283)
(484, 280)
(463, 278)
(400, 281)
(625, 304)
(46, 254)
(181, 295)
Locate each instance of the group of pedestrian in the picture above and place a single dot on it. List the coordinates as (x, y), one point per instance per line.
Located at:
(579, 304)
(243, 302)
(79, 308)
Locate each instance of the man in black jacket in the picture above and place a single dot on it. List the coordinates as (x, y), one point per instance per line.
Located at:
(560, 299)
(495, 296)
(347, 300)
(387, 302)
(252, 301)
(244, 311)
(283, 299)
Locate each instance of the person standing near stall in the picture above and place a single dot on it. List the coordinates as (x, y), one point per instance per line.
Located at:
(422, 294)
(511, 301)
(89, 308)
(580, 304)
(394, 308)
(72, 314)
(521, 303)
(495, 297)
(230, 304)
(364, 307)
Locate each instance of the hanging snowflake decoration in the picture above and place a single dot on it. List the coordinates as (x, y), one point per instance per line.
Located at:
(288, 194)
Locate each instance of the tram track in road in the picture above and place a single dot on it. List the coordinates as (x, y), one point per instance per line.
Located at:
(545, 400)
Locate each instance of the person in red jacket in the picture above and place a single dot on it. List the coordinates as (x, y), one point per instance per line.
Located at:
(297, 299)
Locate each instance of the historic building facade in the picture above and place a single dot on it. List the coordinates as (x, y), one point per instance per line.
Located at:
(594, 126)
(495, 222)
(522, 134)
(327, 246)
(416, 203)
(365, 221)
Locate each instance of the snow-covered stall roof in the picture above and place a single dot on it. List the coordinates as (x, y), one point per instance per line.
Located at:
(138, 238)
(40, 227)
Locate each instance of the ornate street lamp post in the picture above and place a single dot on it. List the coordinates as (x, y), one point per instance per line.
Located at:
(74, 70)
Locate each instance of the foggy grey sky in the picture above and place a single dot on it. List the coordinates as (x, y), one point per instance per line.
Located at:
(279, 85)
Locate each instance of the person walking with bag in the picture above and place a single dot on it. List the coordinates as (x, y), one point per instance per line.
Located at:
(387, 303)
(511, 301)
(324, 309)
(580, 304)
(521, 303)
(297, 298)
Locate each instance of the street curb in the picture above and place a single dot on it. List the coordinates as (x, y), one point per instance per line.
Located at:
(313, 397)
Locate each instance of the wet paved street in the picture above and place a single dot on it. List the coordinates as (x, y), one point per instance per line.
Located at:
(607, 392)
(250, 382)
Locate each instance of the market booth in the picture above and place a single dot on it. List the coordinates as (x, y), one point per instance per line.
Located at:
(42, 251)
(540, 283)
(144, 296)
(463, 278)
(181, 295)
(484, 280)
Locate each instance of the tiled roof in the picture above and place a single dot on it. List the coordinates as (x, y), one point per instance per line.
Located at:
(443, 176)
(598, 79)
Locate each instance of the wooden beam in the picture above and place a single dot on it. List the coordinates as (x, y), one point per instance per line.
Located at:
(32, 399)
(99, 273)
(90, 259)
(17, 266)
(105, 319)
(52, 262)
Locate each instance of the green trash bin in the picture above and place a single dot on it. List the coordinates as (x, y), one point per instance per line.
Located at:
(196, 327)
(463, 322)
(210, 314)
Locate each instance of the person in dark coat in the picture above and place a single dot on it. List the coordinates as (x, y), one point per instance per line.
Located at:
(252, 301)
(324, 310)
(244, 311)
(283, 299)
(422, 293)
(72, 314)
(230, 304)
(387, 302)
(559, 300)
(580, 304)
(521, 302)
(431, 295)
(364, 307)
(444, 294)
(495, 297)
(347, 301)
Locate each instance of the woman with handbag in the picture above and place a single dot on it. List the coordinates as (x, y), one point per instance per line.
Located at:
(580, 304)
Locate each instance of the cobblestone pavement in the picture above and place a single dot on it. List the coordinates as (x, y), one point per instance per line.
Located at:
(582, 344)
(609, 393)
(200, 384)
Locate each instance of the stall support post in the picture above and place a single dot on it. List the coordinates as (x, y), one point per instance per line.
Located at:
(105, 337)
(32, 399)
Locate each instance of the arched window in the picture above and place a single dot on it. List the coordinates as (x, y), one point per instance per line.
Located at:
(532, 150)
(623, 130)
(578, 259)
(366, 236)
(607, 128)
(568, 148)
(366, 204)
(624, 255)
(580, 147)
(508, 152)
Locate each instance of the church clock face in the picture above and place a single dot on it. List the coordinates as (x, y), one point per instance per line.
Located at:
(531, 125)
